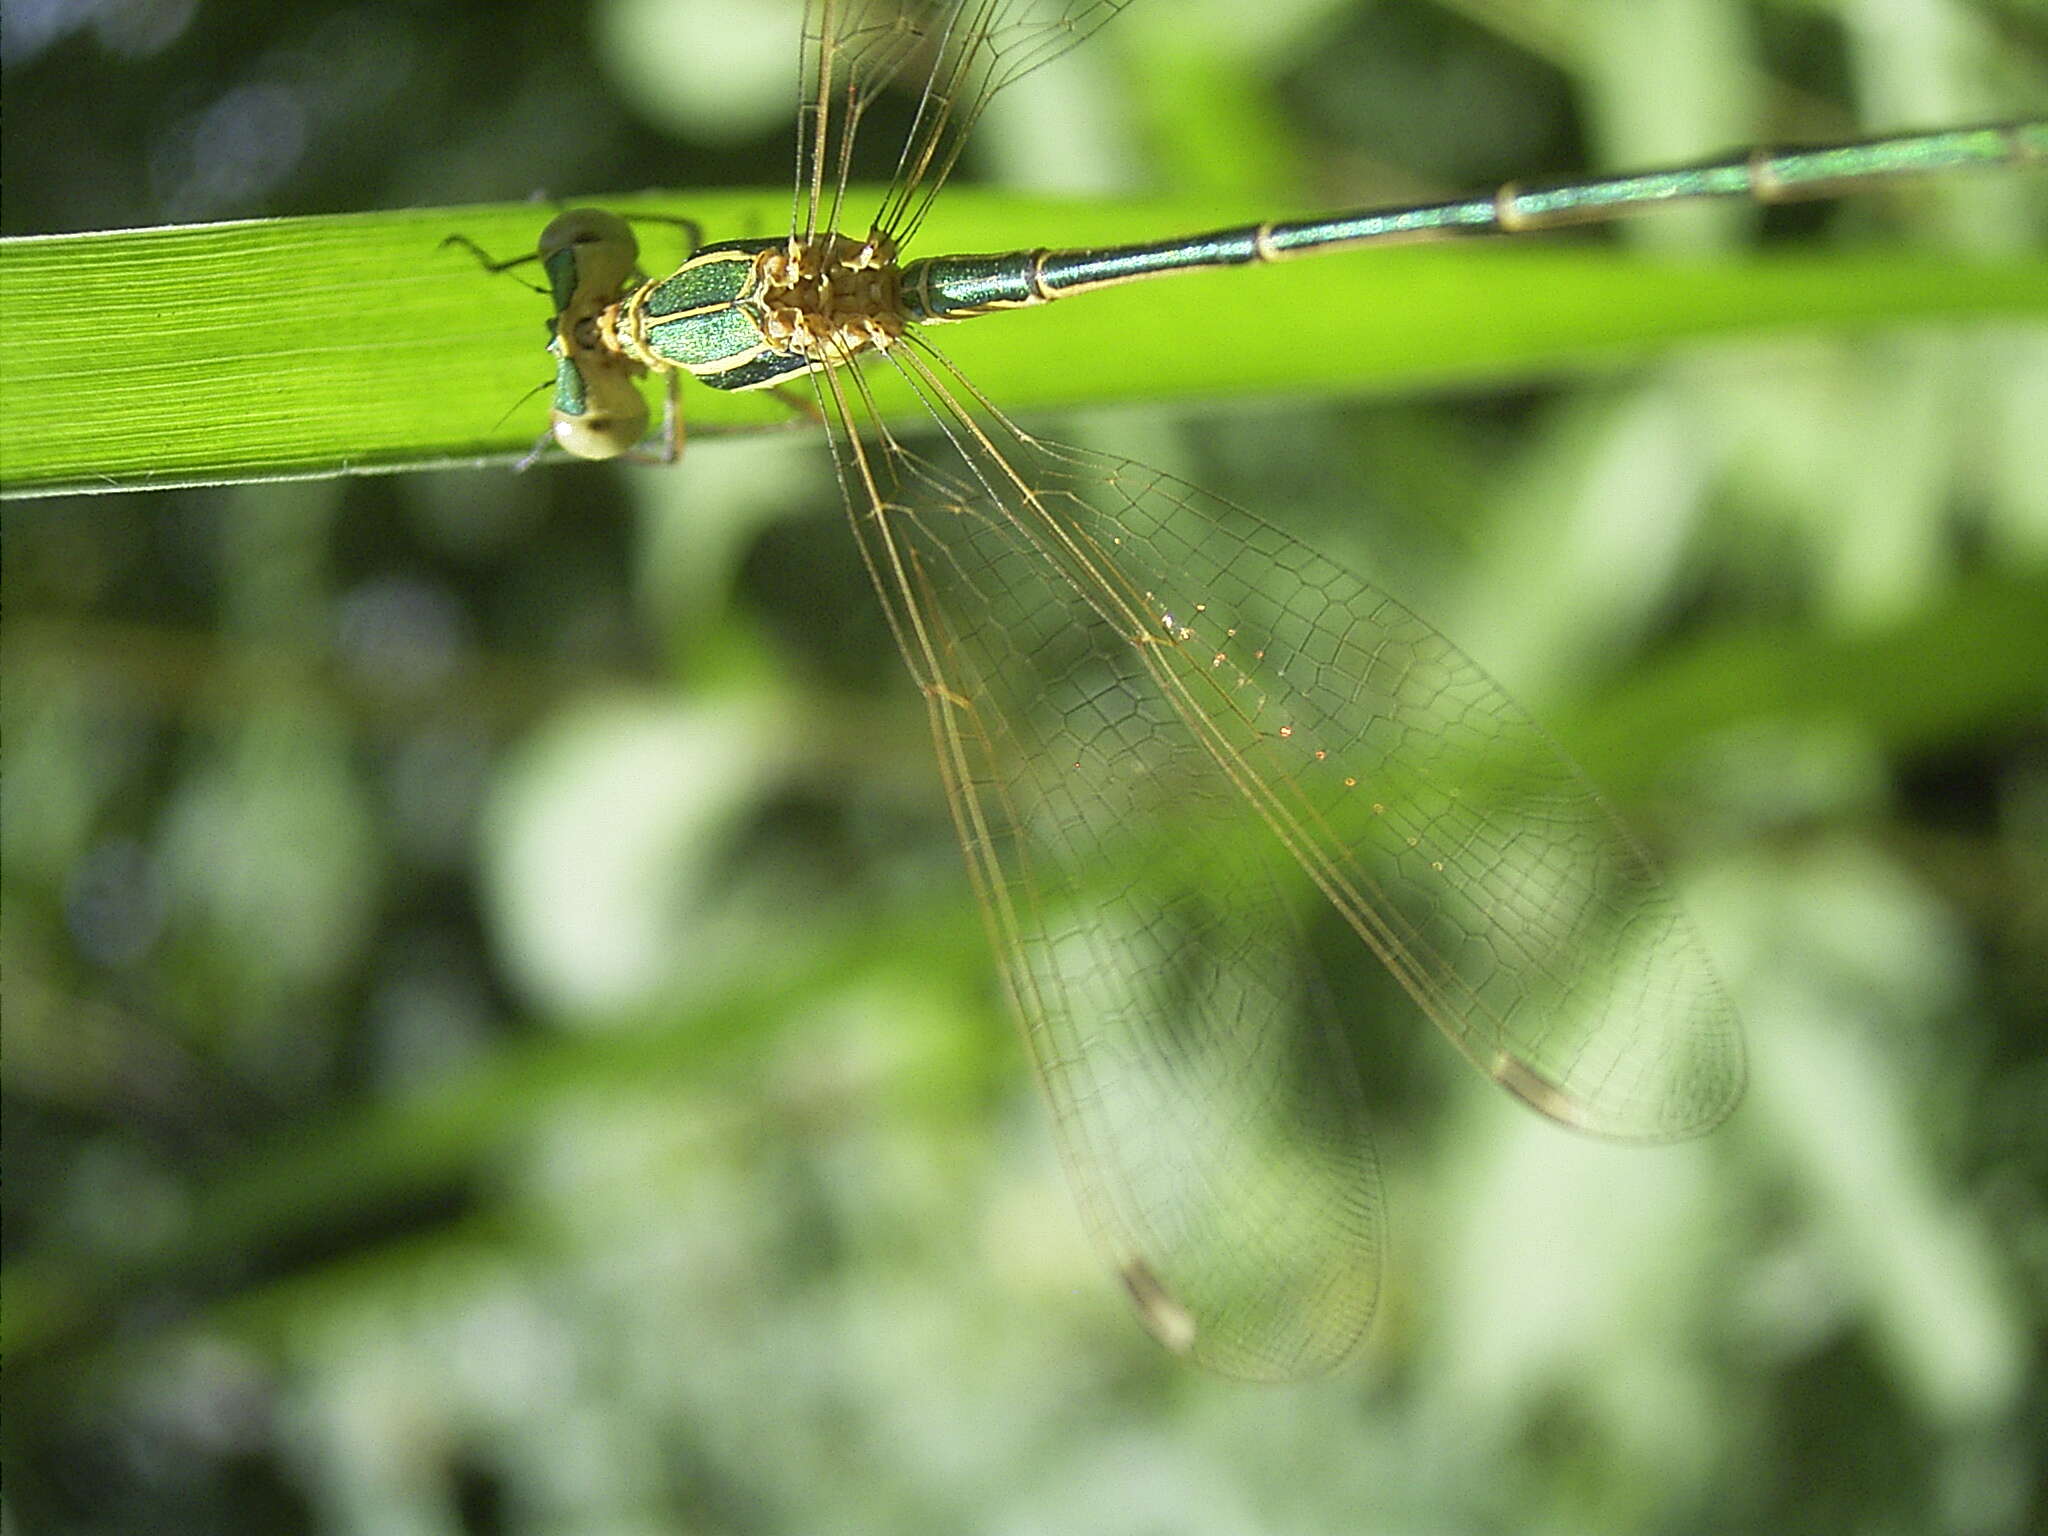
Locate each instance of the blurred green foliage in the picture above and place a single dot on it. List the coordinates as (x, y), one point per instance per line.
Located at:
(496, 1036)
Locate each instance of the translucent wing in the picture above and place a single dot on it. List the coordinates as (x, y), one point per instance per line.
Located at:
(1207, 1115)
(955, 54)
(1155, 712)
(1154, 715)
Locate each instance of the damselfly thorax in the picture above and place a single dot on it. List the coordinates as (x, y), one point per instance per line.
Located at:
(748, 314)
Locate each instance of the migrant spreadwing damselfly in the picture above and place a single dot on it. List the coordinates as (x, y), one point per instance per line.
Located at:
(1155, 713)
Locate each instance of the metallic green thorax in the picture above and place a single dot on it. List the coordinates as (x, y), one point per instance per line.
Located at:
(705, 319)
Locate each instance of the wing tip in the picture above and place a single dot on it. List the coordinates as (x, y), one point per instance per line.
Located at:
(1172, 1324)
(1690, 1106)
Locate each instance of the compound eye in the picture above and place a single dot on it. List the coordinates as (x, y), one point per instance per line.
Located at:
(589, 256)
(598, 412)
(599, 437)
(591, 227)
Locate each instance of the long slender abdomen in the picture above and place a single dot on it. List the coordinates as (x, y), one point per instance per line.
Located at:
(959, 287)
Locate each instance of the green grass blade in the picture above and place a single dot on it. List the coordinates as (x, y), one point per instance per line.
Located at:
(302, 347)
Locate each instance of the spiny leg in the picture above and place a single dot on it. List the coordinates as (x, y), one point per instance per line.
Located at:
(693, 232)
(484, 258)
(799, 403)
(670, 438)
(666, 445)
(532, 456)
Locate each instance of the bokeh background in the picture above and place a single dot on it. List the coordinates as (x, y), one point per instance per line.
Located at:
(496, 1034)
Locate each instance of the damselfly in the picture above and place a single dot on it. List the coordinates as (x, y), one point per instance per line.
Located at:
(1155, 713)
